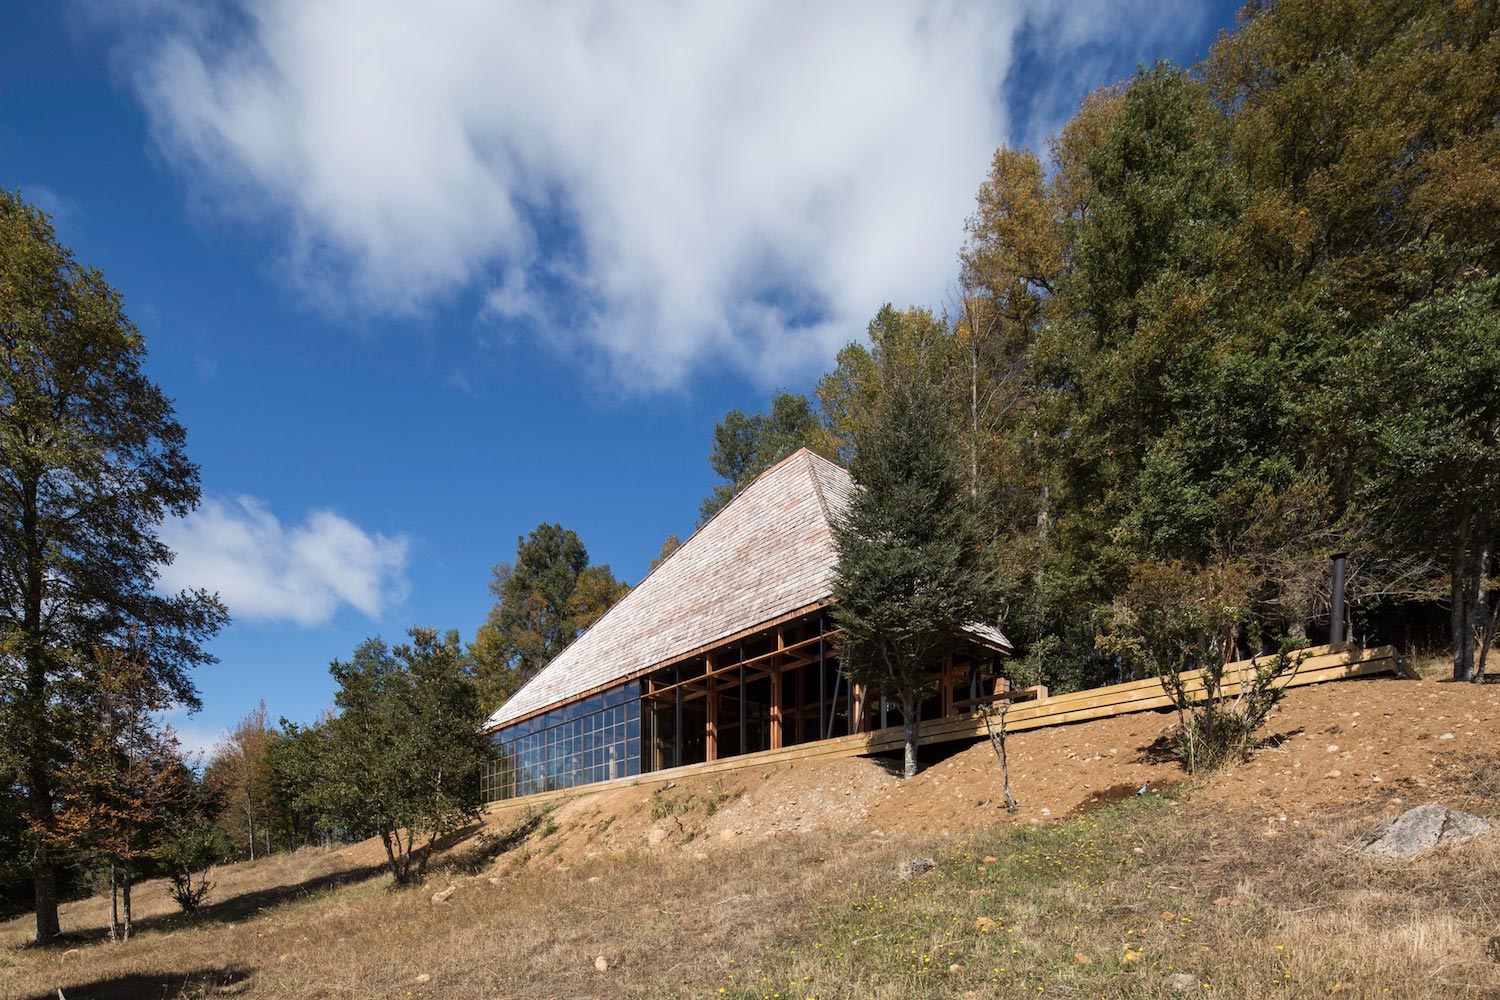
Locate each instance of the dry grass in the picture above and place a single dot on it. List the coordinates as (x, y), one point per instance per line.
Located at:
(702, 890)
(1113, 903)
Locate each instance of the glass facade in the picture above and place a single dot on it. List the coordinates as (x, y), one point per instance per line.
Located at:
(593, 739)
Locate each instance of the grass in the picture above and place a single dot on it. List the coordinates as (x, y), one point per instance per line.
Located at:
(1114, 903)
(1149, 898)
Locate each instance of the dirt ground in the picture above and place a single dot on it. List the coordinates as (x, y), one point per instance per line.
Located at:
(1366, 744)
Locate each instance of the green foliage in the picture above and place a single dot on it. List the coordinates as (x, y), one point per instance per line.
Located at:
(1172, 620)
(1423, 403)
(745, 446)
(404, 754)
(543, 601)
(294, 791)
(91, 462)
(909, 576)
(188, 854)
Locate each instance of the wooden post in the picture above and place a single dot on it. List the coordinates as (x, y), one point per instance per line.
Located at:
(677, 729)
(822, 681)
(776, 720)
(711, 710)
(744, 728)
(946, 686)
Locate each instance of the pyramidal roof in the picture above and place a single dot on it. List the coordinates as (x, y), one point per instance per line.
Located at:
(768, 553)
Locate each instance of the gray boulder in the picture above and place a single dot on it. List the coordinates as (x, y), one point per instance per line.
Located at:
(1419, 830)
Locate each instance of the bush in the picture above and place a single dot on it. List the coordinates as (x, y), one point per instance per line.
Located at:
(1216, 730)
(188, 854)
(1179, 624)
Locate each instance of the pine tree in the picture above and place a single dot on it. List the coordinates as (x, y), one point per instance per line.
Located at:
(909, 576)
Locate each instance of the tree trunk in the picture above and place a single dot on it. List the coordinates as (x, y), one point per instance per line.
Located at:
(1490, 625)
(125, 903)
(114, 904)
(249, 815)
(911, 722)
(44, 881)
(1463, 639)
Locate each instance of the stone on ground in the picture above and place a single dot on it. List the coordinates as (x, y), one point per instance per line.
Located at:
(1419, 830)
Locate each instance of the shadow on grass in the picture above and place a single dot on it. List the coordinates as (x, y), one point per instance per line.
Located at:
(155, 986)
(235, 908)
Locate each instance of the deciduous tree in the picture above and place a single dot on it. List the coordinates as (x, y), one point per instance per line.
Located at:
(405, 751)
(91, 461)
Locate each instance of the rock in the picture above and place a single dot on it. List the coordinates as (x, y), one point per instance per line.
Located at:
(955, 969)
(990, 859)
(913, 867)
(1182, 983)
(443, 895)
(423, 978)
(494, 880)
(1423, 828)
(985, 924)
(595, 878)
(655, 836)
(601, 963)
(1082, 959)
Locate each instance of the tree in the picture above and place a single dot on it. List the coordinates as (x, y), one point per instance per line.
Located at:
(908, 577)
(405, 751)
(91, 461)
(125, 783)
(295, 791)
(672, 544)
(543, 601)
(1422, 399)
(239, 773)
(747, 445)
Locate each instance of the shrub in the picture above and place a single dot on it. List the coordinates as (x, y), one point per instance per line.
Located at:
(1180, 625)
(188, 854)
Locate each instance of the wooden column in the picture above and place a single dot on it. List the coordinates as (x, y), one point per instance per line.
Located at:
(744, 726)
(776, 715)
(822, 683)
(677, 726)
(711, 710)
(946, 686)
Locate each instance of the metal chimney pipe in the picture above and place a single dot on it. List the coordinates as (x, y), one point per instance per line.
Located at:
(1336, 623)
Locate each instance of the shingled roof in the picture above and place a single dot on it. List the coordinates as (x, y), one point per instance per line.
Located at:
(768, 554)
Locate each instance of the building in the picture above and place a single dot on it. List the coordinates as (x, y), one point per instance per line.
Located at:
(726, 648)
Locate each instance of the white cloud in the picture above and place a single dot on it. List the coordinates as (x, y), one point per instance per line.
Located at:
(266, 571)
(658, 184)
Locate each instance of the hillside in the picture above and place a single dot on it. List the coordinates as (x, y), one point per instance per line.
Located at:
(781, 881)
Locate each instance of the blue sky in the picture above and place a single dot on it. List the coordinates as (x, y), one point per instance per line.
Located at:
(420, 281)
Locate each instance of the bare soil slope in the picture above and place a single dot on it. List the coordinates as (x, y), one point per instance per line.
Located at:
(690, 887)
